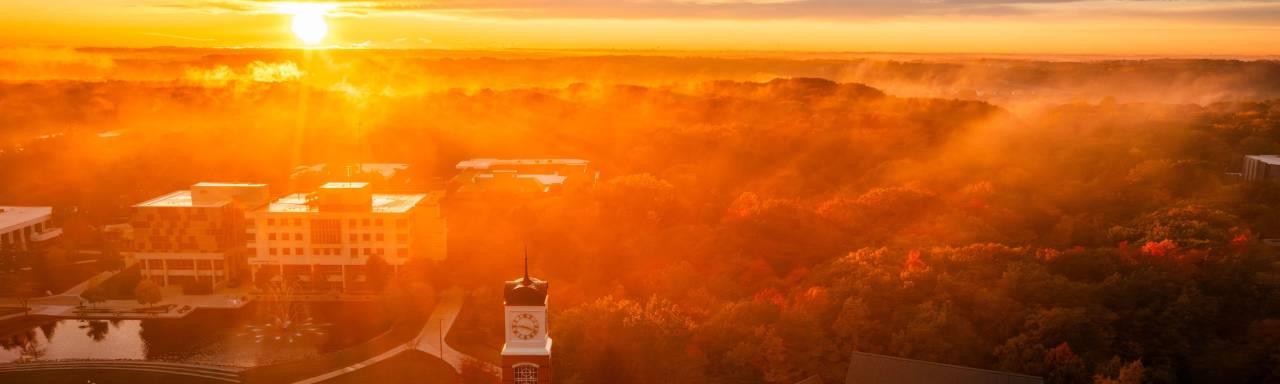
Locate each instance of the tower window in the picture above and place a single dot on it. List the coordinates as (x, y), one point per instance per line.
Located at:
(526, 374)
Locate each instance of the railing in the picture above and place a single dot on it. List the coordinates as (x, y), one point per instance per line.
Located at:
(47, 234)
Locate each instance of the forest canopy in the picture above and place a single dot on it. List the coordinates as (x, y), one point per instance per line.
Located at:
(758, 230)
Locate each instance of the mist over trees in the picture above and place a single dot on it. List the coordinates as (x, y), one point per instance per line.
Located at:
(759, 231)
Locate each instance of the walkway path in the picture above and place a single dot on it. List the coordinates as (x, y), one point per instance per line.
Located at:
(354, 367)
(438, 324)
(224, 374)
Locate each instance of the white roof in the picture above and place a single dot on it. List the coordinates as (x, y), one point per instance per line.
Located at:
(216, 184)
(543, 179)
(382, 203)
(176, 199)
(11, 217)
(480, 164)
(344, 185)
(1269, 159)
(384, 169)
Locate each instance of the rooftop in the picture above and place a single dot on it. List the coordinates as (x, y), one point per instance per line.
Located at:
(177, 199)
(545, 180)
(482, 164)
(384, 169)
(18, 216)
(216, 184)
(382, 203)
(344, 185)
(1269, 159)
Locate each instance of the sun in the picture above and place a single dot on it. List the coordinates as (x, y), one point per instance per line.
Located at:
(310, 27)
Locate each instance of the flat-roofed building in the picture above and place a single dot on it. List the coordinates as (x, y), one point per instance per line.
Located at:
(331, 233)
(194, 238)
(522, 175)
(25, 228)
(1261, 167)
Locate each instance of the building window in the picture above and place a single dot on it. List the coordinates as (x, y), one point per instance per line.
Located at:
(355, 252)
(402, 238)
(377, 222)
(326, 231)
(271, 221)
(297, 222)
(297, 236)
(379, 237)
(402, 252)
(353, 237)
(298, 251)
(401, 223)
(286, 251)
(271, 236)
(366, 237)
(271, 251)
(351, 223)
(364, 222)
(526, 374)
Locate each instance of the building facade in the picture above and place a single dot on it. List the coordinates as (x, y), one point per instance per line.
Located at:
(26, 228)
(1261, 167)
(526, 355)
(522, 175)
(194, 238)
(326, 238)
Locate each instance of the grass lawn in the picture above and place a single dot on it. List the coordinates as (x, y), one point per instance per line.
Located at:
(120, 286)
(401, 332)
(478, 349)
(411, 366)
(98, 377)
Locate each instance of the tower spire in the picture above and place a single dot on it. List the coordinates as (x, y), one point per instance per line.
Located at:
(526, 281)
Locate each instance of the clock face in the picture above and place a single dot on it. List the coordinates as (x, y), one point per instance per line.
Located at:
(524, 326)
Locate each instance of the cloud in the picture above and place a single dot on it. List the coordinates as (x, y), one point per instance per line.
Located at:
(256, 72)
(1238, 11)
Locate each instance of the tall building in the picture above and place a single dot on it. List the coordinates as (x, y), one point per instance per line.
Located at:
(1261, 167)
(522, 175)
(526, 355)
(194, 238)
(24, 228)
(331, 233)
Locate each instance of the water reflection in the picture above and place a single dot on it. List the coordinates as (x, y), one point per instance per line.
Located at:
(255, 335)
(95, 329)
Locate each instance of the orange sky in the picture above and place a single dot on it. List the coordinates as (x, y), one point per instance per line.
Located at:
(1176, 27)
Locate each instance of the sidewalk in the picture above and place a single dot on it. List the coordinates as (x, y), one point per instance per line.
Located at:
(437, 325)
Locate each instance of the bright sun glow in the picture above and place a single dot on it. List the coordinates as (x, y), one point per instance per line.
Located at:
(308, 23)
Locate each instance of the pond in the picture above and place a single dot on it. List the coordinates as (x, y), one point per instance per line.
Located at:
(259, 334)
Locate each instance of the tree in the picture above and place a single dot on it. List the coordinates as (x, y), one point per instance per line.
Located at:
(94, 294)
(377, 270)
(19, 286)
(111, 259)
(147, 292)
(1131, 373)
(1064, 367)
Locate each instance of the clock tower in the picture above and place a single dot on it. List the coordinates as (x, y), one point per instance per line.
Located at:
(526, 356)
